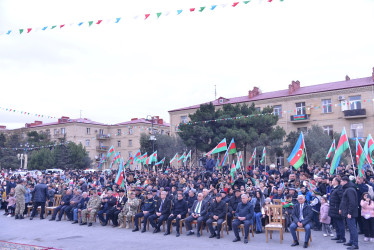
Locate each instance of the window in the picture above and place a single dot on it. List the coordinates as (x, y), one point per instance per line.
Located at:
(258, 109)
(55, 131)
(357, 130)
(119, 144)
(300, 108)
(278, 110)
(328, 130)
(130, 143)
(130, 131)
(326, 106)
(88, 131)
(302, 129)
(63, 131)
(101, 131)
(87, 143)
(355, 102)
(184, 119)
(118, 131)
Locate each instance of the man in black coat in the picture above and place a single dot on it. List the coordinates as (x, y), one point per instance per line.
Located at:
(349, 209)
(338, 221)
(163, 207)
(40, 194)
(198, 211)
(64, 204)
(217, 214)
(302, 217)
(108, 203)
(178, 212)
(233, 204)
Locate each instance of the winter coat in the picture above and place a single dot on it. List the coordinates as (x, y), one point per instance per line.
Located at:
(335, 199)
(367, 209)
(324, 214)
(40, 193)
(349, 204)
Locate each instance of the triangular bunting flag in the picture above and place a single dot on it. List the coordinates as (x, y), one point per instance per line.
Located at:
(146, 16)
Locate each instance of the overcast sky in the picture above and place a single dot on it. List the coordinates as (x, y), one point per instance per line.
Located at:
(114, 72)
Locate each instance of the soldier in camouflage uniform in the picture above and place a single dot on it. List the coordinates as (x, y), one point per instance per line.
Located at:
(129, 210)
(93, 206)
(20, 192)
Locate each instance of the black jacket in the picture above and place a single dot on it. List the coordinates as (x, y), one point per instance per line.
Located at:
(83, 203)
(149, 205)
(165, 210)
(179, 207)
(40, 193)
(66, 199)
(245, 210)
(9, 186)
(218, 209)
(349, 203)
(307, 214)
(335, 199)
(233, 203)
(191, 200)
(203, 209)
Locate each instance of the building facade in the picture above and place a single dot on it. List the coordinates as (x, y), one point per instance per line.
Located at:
(345, 104)
(98, 137)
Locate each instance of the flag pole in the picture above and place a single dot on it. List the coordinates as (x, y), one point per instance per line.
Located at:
(306, 154)
(265, 159)
(353, 164)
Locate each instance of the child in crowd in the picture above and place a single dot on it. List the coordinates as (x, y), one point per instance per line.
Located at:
(325, 218)
(367, 212)
(11, 204)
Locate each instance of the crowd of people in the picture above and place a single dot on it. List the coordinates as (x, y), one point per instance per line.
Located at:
(207, 196)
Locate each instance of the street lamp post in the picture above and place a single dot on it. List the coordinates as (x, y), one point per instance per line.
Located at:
(20, 157)
(152, 137)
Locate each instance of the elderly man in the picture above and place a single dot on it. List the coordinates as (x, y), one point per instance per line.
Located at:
(93, 206)
(129, 210)
(107, 203)
(217, 214)
(244, 215)
(349, 209)
(302, 217)
(162, 213)
(198, 211)
(65, 202)
(77, 196)
(81, 205)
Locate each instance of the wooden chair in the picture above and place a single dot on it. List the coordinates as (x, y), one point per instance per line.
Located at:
(194, 222)
(88, 216)
(56, 203)
(275, 221)
(180, 225)
(277, 202)
(224, 223)
(133, 217)
(241, 226)
(301, 229)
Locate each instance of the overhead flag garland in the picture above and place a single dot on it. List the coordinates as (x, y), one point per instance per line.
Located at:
(146, 16)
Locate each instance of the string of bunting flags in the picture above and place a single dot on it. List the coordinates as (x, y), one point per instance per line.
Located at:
(34, 148)
(116, 20)
(12, 110)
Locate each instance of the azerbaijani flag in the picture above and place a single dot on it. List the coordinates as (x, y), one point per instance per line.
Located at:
(238, 164)
(232, 172)
(182, 157)
(120, 180)
(136, 156)
(240, 158)
(360, 158)
(253, 156)
(222, 162)
(174, 158)
(115, 160)
(296, 158)
(311, 187)
(263, 155)
(332, 148)
(110, 152)
(151, 158)
(160, 162)
(369, 148)
(222, 146)
(188, 156)
(143, 158)
(102, 160)
(342, 146)
(232, 147)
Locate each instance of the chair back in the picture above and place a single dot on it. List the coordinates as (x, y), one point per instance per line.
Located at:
(57, 200)
(140, 205)
(275, 214)
(277, 202)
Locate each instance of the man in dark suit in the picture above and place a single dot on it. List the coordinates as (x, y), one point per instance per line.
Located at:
(178, 212)
(199, 211)
(302, 217)
(40, 197)
(217, 214)
(244, 215)
(163, 207)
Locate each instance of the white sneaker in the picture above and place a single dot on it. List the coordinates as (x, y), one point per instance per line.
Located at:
(366, 239)
(372, 240)
(331, 235)
(324, 235)
(9, 215)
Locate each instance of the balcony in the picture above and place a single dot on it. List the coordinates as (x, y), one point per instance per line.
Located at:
(58, 136)
(102, 148)
(102, 136)
(354, 113)
(299, 118)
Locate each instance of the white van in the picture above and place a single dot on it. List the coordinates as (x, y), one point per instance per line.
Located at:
(54, 171)
(89, 171)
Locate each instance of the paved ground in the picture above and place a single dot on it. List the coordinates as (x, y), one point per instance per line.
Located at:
(64, 235)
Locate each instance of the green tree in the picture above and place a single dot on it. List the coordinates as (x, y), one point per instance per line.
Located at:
(41, 159)
(254, 128)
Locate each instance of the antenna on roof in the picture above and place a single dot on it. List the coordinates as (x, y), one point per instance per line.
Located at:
(215, 92)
